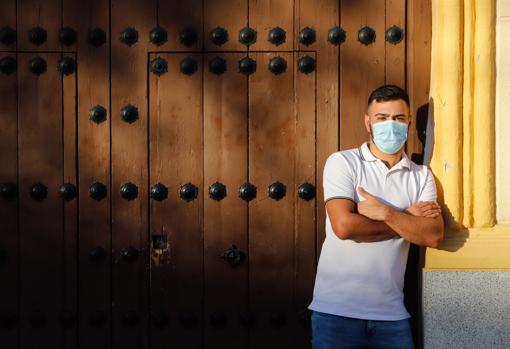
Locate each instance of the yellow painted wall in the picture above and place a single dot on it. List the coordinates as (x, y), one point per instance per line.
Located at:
(463, 90)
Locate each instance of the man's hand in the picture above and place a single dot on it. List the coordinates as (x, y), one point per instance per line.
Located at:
(372, 207)
(428, 209)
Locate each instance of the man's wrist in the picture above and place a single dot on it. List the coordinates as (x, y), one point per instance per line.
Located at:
(389, 214)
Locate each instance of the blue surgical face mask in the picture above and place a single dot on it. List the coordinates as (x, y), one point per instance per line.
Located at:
(389, 136)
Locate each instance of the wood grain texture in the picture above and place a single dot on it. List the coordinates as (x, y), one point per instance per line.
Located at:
(129, 159)
(41, 222)
(176, 143)
(225, 221)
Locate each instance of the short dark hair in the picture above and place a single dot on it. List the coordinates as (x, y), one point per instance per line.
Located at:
(388, 93)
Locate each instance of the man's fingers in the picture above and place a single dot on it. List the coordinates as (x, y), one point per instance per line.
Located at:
(432, 211)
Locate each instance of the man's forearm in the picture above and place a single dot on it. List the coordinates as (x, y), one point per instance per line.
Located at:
(421, 231)
(362, 229)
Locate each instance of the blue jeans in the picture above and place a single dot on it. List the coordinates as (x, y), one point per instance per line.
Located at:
(331, 331)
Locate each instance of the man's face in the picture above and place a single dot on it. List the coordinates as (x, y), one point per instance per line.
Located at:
(390, 110)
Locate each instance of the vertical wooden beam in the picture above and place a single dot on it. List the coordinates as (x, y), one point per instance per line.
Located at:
(94, 298)
(176, 143)
(41, 221)
(225, 221)
(9, 253)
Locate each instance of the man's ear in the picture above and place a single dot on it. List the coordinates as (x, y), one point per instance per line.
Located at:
(367, 123)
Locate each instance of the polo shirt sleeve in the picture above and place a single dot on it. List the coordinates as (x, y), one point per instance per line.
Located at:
(338, 180)
(428, 192)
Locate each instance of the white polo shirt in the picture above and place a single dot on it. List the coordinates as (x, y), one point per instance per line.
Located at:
(365, 280)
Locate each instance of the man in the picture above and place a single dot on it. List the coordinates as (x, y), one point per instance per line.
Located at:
(377, 202)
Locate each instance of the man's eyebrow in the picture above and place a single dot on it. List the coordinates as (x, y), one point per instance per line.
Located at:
(386, 114)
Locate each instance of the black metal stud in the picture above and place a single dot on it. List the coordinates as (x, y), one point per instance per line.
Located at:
(188, 66)
(247, 65)
(276, 190)
(247, 191)
(187, 319)
(37, 318)
(159, 319)
(67, 191)
(7, 35)
(97, 191)
(233, 256)
(304, 318)
(307, 36)
(276, 36)
(130, 254)
(158, 36)
(8, 65)
(159, 66)
(394, 35)
(306, 64)
(9, 191)
(366, 35)
(129, 36)
(277, 319)
(159, 192)
(218, 319)
(129, 113)
(217, 65)
(306, 191)
(67, 65)
(129, 191)
(97, 319)
(247, 319)
(277, 65)
(336, 36)
(97, 114)
(68, 318)
(217, 191)
(247, 36)
(130, 318)
(218, 36)
(38, 191)
(67, 36)
(97, 255)
(37, 35)
(8, 319)
(188, 37)
(37, 65)
(96, 37)
(188, 192)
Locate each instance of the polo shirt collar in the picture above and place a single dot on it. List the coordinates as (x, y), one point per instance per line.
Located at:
(367, 155)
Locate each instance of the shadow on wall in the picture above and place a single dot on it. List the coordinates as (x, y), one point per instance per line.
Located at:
(455, 234)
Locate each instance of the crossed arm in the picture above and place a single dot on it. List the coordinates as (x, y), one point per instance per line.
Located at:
(371, 220)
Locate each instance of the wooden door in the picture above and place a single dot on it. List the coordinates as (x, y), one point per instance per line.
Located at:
(161, 183)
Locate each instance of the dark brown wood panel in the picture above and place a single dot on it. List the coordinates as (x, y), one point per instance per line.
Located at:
(265, 15)
(41, 221)
(175, 160)
(231, 15)
(305, 151)
(129, 158)
(418, 44)
(225, 221)
(69, 306)
(395, 60)
(94, 278)
(9, 204)
(323, 16)
(272, 141)
(40, 14)
(361, 67)
(178, 18)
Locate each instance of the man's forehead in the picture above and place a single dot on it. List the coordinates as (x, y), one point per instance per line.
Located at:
(388, 107)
